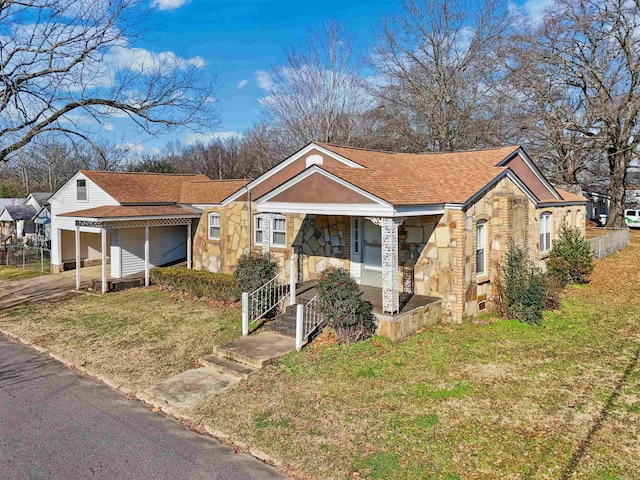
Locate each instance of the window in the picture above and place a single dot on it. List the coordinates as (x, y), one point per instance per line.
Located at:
(481, 235)
(214, 226)
(356, 236)
(279, 232)
(258, 226)
(545, 232)
(567, 219)
(81, 190)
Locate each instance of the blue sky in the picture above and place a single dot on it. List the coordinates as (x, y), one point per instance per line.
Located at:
(239, 39)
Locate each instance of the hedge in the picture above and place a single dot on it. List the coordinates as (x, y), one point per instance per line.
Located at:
(221, 287)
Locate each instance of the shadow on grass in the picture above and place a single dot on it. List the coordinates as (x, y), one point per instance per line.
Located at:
(608, 406)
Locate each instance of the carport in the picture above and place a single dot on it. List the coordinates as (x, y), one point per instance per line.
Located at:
(138, 238)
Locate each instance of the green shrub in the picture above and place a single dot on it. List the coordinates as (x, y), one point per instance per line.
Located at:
(221, 287)
(342, 306)
(254, 270)
(553, 287)
(571, 256)
(521, 287)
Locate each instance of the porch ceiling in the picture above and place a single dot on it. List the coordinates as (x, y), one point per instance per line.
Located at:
(134, 212)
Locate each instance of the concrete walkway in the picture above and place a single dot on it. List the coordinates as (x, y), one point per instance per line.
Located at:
(47, 287)
(226, 366)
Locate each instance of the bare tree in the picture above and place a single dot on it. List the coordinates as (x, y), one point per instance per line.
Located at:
(316, 92)
(66, 62)
(589, 54)
(441, 63)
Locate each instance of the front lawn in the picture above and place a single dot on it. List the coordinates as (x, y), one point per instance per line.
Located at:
(479, 400)
(136, 337)
(9, 273)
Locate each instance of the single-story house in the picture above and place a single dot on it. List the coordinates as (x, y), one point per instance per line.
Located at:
(432, 224)
(7, 228)
(17, 220)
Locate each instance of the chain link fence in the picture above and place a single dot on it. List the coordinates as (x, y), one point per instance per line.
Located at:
(604, 245)
(21, 256)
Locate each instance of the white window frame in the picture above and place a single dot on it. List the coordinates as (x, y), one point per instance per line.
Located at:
(257, 219)
(275, 219)
(86, 190)
(210, 226)
(545, 232)
(481, 245)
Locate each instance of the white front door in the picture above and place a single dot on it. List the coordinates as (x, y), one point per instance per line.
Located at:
(372, 255)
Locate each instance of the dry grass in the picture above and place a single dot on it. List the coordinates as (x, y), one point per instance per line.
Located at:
(593, 232)
(9, 273)
(137, 337)
(504, 400)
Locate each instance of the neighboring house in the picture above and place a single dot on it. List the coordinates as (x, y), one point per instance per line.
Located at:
(17, 218)
(632, 197)
(133, 220)
(8, 228)
(598, 206)
(426, 224)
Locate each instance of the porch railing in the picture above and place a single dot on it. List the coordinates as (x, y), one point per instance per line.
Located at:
(604, 245)
(308, 319)
(263, 300)
(257, 304)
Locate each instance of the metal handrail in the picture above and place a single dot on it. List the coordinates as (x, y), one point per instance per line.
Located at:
(257, 304)
(308, 319)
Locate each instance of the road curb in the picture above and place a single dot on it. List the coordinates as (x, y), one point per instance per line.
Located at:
(151, 400)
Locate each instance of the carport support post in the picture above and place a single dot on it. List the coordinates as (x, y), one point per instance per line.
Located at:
(146, 255)
(77, 258)
(189, 244)
(103, 237)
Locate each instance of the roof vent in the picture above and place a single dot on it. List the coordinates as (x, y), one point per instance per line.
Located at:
(314, 160)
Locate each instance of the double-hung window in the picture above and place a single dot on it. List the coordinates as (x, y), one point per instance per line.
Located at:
(81, 190)
(545, 232)
(278, 230)
(214, 226)
(481, 242)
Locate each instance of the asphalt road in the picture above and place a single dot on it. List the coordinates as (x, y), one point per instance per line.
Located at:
(58, 424)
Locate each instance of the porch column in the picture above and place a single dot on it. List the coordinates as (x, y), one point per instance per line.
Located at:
(103, 238)
(390, 292)
(146, 255)
(189, 244)
(266, 232)
(77, 258)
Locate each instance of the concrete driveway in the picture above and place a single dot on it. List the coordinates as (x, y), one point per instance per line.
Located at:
(48, 287)
(58, 424)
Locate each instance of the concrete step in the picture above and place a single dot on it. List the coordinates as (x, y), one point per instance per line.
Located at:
(256, 350)
(227, 367)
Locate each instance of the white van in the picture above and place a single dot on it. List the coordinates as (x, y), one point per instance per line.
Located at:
(632, 218)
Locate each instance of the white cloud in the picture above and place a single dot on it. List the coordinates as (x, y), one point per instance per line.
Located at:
(131, 147)
(192, 138)
(155, 151)
(531, 11)
(108, 127)
(265, 82)
(140, 60)
(168, 4)
(242, 83)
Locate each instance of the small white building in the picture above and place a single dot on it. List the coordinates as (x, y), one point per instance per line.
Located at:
(132, 221)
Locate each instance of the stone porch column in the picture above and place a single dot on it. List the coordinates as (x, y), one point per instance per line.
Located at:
(266, 232)
(390, 292)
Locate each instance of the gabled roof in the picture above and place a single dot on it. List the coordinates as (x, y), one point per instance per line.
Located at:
(142, 188)
(40, 197)
(14, 213)
(4, 202)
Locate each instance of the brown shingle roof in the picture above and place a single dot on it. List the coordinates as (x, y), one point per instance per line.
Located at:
(128, 211)
(421, 178)
(567, 196)
(209, 191)
(142, 187)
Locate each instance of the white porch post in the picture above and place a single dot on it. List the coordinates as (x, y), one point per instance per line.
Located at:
(77, 258)
(146, 255)
(189, 244)
(103, 238)
(390, 293)
(267, 218)
(292, 279)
